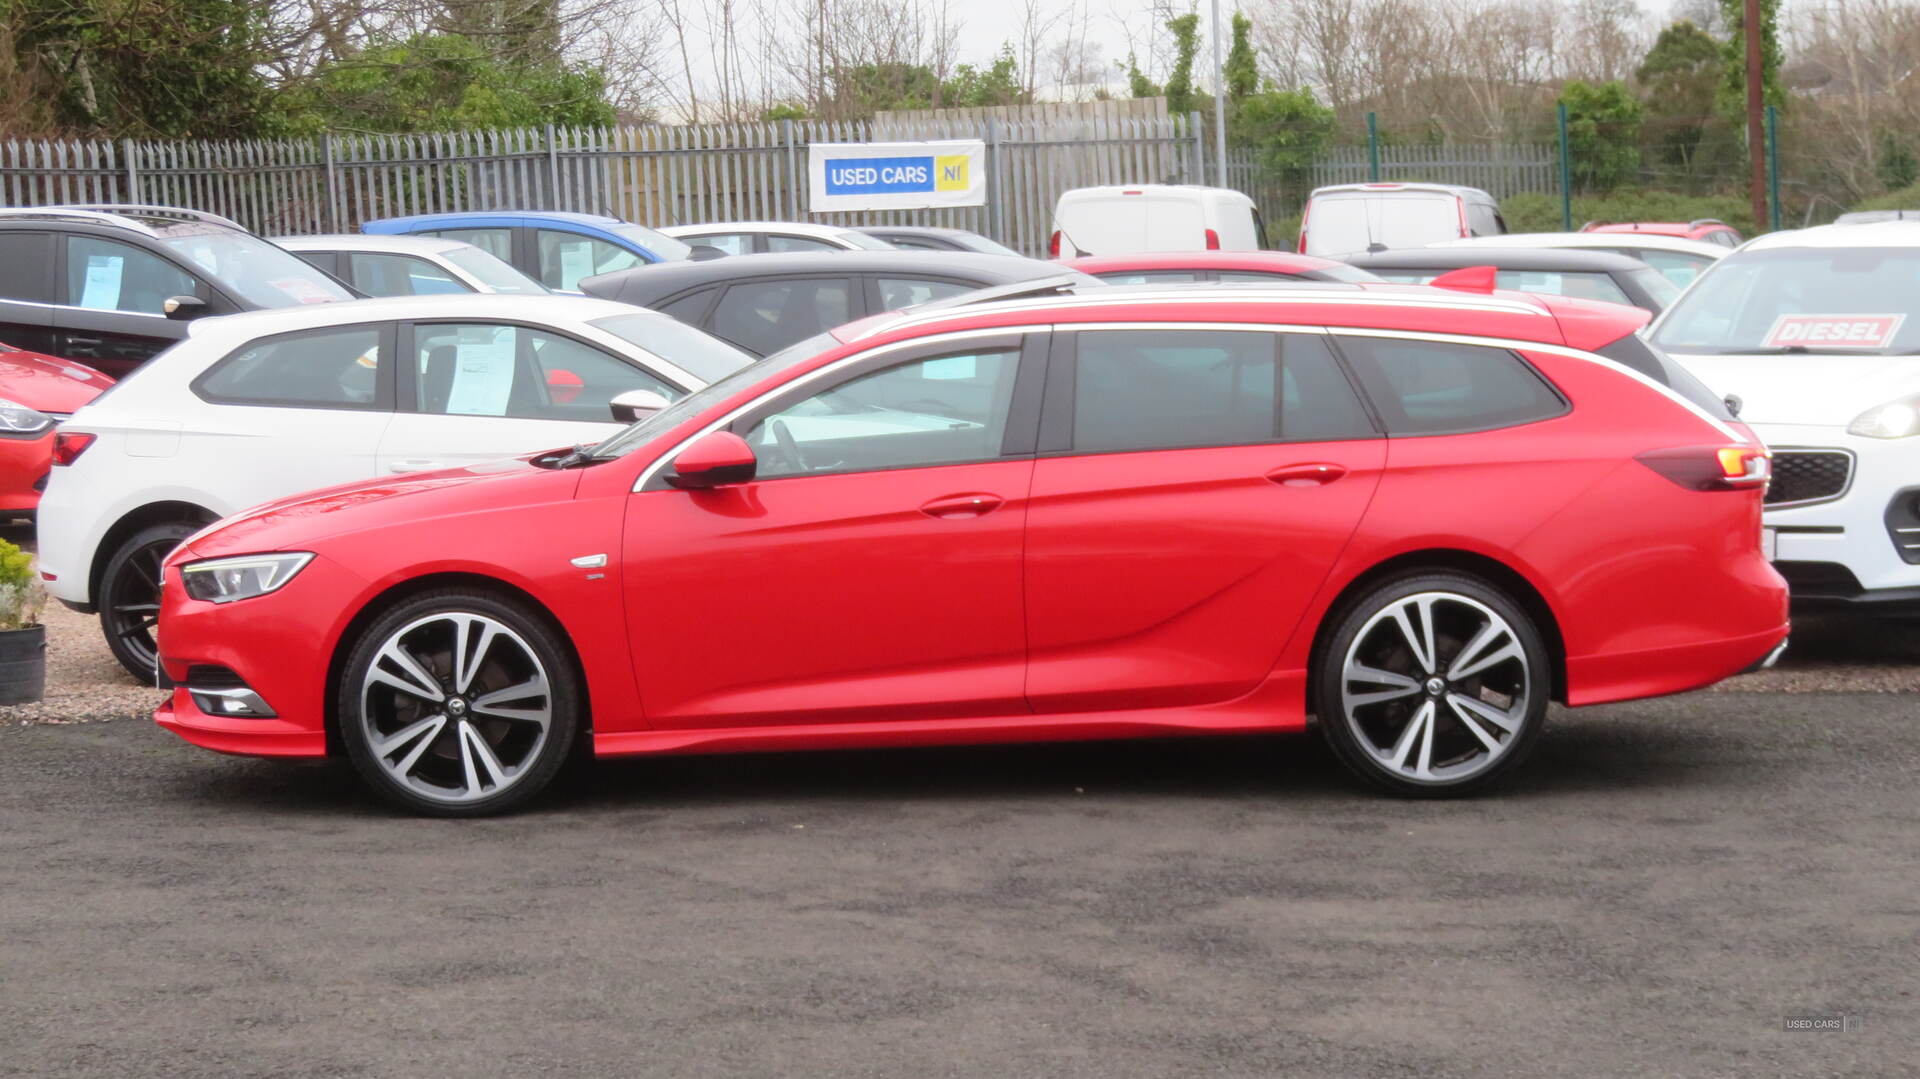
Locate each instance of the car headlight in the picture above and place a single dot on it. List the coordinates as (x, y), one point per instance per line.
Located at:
(18, 419)
(223, 580)
(1895, 419)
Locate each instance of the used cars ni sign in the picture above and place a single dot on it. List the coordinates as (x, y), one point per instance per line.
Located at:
(1416, 513)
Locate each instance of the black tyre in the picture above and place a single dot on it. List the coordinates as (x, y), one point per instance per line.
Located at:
(459, 703)
(129, 599)
(1433, 685)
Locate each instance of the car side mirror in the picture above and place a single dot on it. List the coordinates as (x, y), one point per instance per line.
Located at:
(633, 404)
(184, 308)
(1733, 403)
(715, 459)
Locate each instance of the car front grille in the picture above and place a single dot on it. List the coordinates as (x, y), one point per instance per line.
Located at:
(1808, 476)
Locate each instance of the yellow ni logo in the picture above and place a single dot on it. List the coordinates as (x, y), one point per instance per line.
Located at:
(950, 172)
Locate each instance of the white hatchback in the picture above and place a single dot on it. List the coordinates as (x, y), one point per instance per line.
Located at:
(1817, 332)
(258, 406)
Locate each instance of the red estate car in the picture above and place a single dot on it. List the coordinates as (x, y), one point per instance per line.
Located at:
(1419, 513)
(1176, 267)
(1709, 229)
(36, 393)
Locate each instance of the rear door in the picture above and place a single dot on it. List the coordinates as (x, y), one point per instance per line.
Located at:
(1194, 488)
(26, 290)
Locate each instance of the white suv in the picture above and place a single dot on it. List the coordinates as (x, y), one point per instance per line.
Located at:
(258, 406)
(1817, 332)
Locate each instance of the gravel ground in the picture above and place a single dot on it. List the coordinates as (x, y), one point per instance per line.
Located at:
(84, 682)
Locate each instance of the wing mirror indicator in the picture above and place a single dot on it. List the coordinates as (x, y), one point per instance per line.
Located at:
(633, 404)
(715, 459)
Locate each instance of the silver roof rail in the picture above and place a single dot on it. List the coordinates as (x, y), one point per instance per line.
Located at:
(129, 209)
(1051, 285)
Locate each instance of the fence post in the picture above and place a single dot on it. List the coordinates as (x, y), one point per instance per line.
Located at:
(793, 170)
(1566, 177)
(333, 184)
(133, 173)
(1199, 147)
(553, 171)
(1373, 147)
(993, 180)
(1773, 168)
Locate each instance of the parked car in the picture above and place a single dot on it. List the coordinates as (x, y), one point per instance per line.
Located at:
(763, 303)
(1130, 218)
(1176, 267)
(36, 393)
(885, 536)
(1347, 219)
(928, 238)
(1817, 332)
(557, 249)
(263, 405)
(1681, 260)
(1872, 217)
(1710, 230)
(775, 237)
(409, 265)
(111, 285)
(1586, 275)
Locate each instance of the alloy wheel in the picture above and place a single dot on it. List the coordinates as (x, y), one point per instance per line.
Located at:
(456, 707)
(1436, 687)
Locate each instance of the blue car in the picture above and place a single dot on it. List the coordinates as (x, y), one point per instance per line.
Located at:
(557, 249)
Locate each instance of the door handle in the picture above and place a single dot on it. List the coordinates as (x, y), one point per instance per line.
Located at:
(415, 464)
(953, 507)
(1314, 474)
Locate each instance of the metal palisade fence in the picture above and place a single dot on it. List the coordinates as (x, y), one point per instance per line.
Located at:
(665, 175)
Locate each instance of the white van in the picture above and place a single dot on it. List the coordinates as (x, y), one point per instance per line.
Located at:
(1348, 219)
(1129, 219)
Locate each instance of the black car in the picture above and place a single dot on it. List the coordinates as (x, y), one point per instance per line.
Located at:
(929, 238)
(763, 303)
(1584, 274)
(111, 286)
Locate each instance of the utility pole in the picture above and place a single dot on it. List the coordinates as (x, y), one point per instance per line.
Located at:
(1756, 138)
(1220, 103)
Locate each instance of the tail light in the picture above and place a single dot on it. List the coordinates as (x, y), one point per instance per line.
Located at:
(1302, 245)
(1465, 232)
(1712, 468)
(1213, 240)
(69, 445)
(1053, 245)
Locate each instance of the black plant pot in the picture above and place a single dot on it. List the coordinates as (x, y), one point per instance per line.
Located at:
(23, 664)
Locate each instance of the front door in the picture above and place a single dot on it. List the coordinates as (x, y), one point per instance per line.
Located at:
(1194, 489)
(112, 296)
(872, 568)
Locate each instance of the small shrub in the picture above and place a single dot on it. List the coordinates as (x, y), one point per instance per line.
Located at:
(21, 596)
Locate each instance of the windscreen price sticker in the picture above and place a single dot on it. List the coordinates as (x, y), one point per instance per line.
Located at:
(1834, 331)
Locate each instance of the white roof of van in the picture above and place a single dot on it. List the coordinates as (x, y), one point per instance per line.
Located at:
(1386, 187)
(1109, 190)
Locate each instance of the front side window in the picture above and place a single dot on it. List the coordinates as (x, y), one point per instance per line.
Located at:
(780, 243)
(765, 316)
(731, 243)
(399, 275)
(1438, 387)
(1580, 285)
(489, 369)
(340, 367)
(567, 258)
(899, 292)
(1177, 389)
(495, 242)
(946, 410)
(105, 275)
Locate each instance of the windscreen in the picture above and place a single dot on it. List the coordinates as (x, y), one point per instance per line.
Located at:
(255, 270)
(699, 401)
(697, 353)
(491, 272)
(664, 247)
(1852, 300)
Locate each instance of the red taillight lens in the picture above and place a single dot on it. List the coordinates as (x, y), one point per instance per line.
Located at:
(1053, 244)
(1213, 240)
(69, 445)
(1712, 468)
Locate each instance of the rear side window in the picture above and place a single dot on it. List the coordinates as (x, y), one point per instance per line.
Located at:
(1173, 389)
(1633, 351)
(23, 265)
(766, 316)
(899, 292)
(333, 368)
(1438, 387)
(1582, 285)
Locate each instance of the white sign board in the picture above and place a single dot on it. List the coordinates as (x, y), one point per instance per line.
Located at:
(897, 175)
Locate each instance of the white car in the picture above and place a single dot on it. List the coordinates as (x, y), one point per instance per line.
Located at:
(257, 406)
(1679, 258)
(1817, 332)
(409, 265)
(774, 237)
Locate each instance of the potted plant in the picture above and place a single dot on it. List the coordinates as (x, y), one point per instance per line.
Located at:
(23, 640)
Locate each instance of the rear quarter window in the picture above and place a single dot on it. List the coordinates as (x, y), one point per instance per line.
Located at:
(1439, 387)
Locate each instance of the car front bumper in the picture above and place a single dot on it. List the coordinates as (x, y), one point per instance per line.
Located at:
(1846, 552)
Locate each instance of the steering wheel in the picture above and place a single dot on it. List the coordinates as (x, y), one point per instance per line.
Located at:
(789, 448)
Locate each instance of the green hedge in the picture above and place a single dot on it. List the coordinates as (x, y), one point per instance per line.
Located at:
(1907, 198)
(1541, 213)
